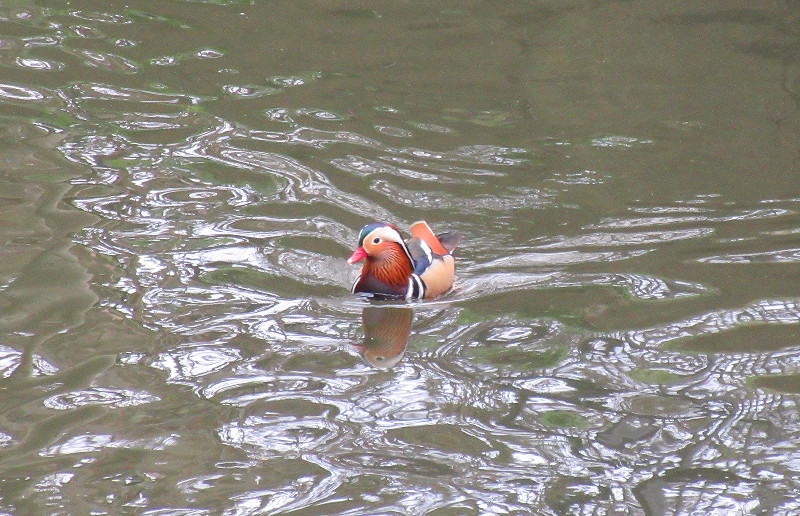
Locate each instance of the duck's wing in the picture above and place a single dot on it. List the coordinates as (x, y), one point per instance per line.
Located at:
(422, 230)
(433, 263)
(421, 254)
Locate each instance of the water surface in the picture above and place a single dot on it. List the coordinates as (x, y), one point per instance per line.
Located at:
(182, 182)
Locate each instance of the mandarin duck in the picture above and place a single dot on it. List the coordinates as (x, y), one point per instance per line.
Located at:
(421, 268)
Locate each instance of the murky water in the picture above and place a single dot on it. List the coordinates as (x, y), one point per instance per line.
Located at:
(181, 183)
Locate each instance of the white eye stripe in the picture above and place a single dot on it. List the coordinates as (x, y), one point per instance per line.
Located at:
(387, 234)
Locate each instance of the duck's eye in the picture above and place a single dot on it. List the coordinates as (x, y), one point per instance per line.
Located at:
(376, 240)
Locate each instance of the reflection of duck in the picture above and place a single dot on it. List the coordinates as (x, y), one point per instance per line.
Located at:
(421, 268)
(386, 330)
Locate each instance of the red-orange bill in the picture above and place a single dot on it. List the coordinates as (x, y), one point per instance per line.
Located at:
(358, 255)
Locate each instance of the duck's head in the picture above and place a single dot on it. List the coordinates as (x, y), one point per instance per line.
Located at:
(378, 239)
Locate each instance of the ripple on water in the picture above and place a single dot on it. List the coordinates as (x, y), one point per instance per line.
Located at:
(776, 311)
(629, 239)
(303, 183)
(137, 97)
(311, 136)
(23, 94)
(105, 61)
(519, 198)
(185, 364)
(361, 166)
(396, 466)
(11, 358)
(92, 443)
(647, 287)
(275, 435)
(32, 63)
(192, 200)
(636, 285)
(670, 216)
(180, 58)
(161, 122)
(249, 91)
(729, 497)
(558, 258)
(791, 255)
(117, 398)
(102, 17)
(87, 32)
